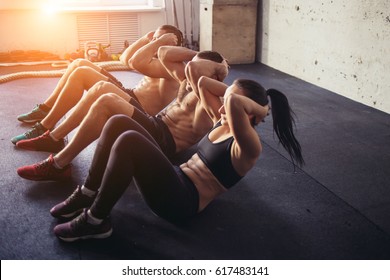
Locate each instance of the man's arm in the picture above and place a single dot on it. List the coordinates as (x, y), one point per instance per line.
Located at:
(129, 52)
(174, 60)
(145, 59)
(204, 67)
(210, 93)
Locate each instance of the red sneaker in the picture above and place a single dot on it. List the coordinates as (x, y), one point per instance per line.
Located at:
(45, 171)
(42, 143)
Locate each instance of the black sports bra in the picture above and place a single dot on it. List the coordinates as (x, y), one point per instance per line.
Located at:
(216, 156)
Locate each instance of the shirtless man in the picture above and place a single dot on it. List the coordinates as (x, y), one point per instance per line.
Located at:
(156, 90)
(175, 129)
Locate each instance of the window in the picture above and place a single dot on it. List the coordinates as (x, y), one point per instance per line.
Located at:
(102, 5)
(87, 3)
(74, 5)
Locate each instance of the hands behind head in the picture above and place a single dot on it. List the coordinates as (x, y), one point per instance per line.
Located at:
(203, 67)
(262, 113)
(165, 38)
(149, 36)
(168, 39)
(252, 109)
(221, 70)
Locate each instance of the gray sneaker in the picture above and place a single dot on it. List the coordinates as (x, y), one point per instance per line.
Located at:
(35, 131)
(80, 228)
(37, 114)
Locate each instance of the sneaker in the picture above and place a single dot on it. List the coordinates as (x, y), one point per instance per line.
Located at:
(73, 205)
(80, 228)
(36, 115)
(45, 171)
(42, 143)
(35, 131)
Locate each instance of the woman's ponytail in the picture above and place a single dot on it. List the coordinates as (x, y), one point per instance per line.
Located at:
(283, 123)
(282, 115)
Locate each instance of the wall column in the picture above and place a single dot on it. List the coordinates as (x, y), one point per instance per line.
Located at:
(229, 27)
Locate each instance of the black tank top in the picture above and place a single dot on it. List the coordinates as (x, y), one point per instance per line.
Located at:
(216, 156)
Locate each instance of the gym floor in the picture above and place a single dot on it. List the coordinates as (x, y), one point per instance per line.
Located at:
(336, 207)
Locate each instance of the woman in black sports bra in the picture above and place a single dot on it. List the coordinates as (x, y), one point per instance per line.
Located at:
(177, 193)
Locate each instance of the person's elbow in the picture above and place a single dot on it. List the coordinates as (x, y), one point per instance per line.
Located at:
(202, 82)
(162, 53)
(134, 63)
(122, 60)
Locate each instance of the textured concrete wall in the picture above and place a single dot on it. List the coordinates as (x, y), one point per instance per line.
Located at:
(341, 45)
(229, 27)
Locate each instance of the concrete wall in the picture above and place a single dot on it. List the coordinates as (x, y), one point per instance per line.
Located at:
(229, 27)
(340, 45)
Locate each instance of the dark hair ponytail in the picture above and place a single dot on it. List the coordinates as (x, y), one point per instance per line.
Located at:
(283, 122)
(282, 115)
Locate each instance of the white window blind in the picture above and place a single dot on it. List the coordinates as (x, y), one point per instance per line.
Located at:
(108, 28)
(77, 3)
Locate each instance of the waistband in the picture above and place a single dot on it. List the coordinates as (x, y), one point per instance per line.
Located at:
(165, 138)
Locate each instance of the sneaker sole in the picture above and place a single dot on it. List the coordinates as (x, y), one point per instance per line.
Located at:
(44, 179)
(68, 216)
(17, 141)
(14, 141)
(25, 148)
(38, 150)
(94, 236)
(30, 121)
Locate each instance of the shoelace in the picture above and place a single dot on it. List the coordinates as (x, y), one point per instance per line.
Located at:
(43, 136)
(80, 222)
(36, 108)
(43, 165)
(33, 132)
(74, 195)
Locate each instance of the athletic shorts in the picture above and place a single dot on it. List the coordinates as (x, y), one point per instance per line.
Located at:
(158, 130)
(134, 100)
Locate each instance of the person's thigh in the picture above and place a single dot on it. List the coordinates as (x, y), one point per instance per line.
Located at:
(102, 88)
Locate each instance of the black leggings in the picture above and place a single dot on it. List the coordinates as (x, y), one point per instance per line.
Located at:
(125, 151)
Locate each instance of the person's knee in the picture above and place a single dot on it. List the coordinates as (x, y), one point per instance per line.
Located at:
(118, 120)
(98, 89)
(105, 102)
(81, 62)
(116, 125)
(80, 73)
(128, 138)
(104, 87)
